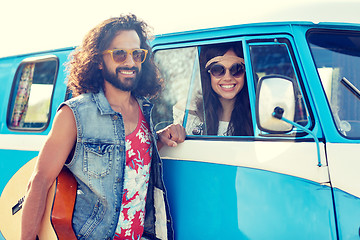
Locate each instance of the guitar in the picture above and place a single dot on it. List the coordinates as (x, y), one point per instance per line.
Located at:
(57, 220)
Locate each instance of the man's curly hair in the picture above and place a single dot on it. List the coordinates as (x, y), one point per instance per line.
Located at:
(83, 66)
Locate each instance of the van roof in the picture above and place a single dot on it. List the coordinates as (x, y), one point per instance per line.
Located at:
(248, 29)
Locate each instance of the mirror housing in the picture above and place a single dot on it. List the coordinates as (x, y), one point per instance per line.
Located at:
(275, 91)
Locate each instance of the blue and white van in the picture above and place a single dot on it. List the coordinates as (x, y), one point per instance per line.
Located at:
(296, 177)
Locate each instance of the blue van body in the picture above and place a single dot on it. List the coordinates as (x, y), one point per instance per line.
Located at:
(274, 184)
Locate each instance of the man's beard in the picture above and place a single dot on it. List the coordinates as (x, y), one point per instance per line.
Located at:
(125, 84)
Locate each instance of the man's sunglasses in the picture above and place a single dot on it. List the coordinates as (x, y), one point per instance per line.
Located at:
(218, 70)
(120, 55)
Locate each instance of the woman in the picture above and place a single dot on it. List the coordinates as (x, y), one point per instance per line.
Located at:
(225, 94)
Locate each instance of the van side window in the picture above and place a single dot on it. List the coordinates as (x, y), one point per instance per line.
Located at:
(30, 99)
(274, 58)
(179, 70)
(337, 59)
(197, 80)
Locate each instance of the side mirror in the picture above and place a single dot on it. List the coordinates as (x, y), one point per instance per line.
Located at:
(275, 91)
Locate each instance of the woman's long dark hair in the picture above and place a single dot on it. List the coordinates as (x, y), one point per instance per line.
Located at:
(240, 123)
(84, 73)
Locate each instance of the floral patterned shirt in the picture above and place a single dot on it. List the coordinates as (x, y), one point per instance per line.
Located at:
(137, 170)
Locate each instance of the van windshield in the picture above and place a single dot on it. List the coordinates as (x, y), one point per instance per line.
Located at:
(337, 59)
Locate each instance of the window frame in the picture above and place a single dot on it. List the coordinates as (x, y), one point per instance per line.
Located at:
(246, 40)
(287, 40)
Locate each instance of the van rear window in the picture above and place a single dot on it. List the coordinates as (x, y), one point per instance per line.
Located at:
(30, 100)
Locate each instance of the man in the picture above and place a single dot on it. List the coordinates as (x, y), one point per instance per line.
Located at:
(106, 138)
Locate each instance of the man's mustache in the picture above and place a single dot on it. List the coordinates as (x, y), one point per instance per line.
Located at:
(136, 69)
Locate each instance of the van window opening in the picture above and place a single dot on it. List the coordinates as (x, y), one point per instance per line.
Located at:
(31, 95)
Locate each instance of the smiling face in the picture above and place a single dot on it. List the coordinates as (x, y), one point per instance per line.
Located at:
(124, 76)
(228, 86)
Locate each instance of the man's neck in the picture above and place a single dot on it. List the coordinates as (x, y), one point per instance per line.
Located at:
(125, 104)
(118, 98)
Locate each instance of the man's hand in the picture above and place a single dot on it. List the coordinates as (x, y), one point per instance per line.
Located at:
(171, 135)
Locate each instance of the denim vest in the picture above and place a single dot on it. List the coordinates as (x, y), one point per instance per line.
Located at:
(98, 165)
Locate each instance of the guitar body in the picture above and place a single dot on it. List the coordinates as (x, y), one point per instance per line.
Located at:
(57, 220)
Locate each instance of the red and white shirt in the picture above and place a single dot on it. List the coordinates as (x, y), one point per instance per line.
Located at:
(137, 171)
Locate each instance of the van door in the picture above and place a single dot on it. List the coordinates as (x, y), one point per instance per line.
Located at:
(259, 186)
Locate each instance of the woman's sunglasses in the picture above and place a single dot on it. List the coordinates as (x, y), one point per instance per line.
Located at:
(120, 55)
(218, 70)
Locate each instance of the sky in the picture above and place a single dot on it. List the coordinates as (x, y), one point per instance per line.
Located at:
(38, 25)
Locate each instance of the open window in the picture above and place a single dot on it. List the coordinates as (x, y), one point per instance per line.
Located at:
(223, 105)
(191, 97)
(30, 99)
